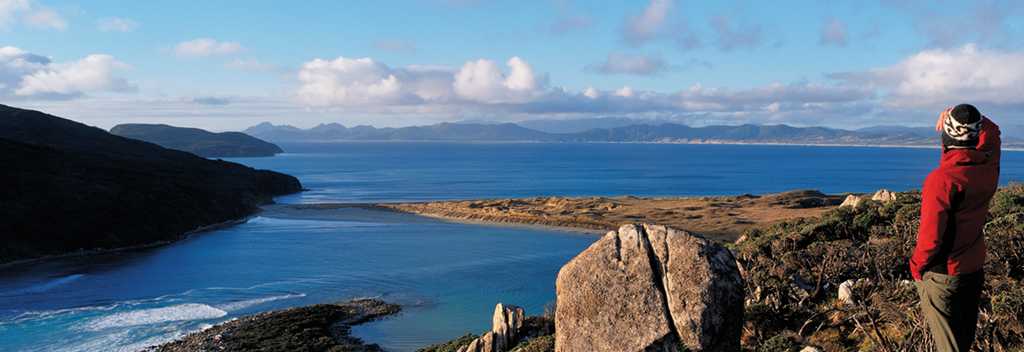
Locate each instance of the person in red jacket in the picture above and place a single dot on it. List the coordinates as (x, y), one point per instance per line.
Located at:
(949, 258)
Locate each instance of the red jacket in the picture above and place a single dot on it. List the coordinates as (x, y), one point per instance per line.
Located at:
(954, 204)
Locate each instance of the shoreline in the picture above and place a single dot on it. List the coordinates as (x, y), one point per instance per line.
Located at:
(722, 219)
(376, 213)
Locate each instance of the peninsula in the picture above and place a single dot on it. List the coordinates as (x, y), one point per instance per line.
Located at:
(73, 188)
(199, 142)
(719, 218)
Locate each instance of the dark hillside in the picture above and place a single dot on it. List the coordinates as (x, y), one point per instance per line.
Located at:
(199, 142)
(68, 186)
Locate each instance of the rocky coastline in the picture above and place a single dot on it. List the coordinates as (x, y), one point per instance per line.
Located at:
(324, 327)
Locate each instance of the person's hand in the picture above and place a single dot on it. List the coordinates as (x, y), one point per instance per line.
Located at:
(941, 125)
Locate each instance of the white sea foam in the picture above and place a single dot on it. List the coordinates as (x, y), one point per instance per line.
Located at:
(233, 306)
(181, 312)
(49, 285)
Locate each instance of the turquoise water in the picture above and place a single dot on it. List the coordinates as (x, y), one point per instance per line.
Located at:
(449, 276)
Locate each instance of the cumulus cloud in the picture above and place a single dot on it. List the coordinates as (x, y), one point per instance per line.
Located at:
(620, 62)
(483, 81)
(366, 82)
(205, 47)
(123, 25)
(396, 46)
(639, 29)
(348, 82)
(935, 78)
(26, 75)
(34, 15)
(833, 31)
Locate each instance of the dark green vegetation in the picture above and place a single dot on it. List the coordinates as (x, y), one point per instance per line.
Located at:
(199, 142)
(668, 133)
(871, 246)
(69, 187)
(315, 328)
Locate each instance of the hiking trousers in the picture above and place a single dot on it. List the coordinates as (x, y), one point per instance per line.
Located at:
(950, 305)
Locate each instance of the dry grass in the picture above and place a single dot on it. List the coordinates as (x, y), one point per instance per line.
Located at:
(718, 218)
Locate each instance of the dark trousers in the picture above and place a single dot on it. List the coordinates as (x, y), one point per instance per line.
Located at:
(950, 305)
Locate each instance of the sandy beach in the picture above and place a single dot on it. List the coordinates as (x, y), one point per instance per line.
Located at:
(719, 218)
(359, 212)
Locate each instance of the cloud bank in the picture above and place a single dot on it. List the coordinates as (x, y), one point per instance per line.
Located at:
(28, 76)
(901, 93)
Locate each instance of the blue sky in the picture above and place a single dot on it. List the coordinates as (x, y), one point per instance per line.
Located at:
(228, 65)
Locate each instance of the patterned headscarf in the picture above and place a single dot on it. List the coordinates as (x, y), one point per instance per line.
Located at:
(963, 125)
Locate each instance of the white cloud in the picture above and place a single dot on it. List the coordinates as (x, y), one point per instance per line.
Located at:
(348, 82)
(484, 82)
(27, 75)
(123, 25)
(833, 31)
(742, 36)
(933, 79)
(639, 29)
(620, 62)
(396, 46)
(204, 47)
(34, 15)
(625, 92)
(251, 64)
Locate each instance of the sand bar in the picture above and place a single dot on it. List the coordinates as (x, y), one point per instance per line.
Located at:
(719, 218)
(378, 213)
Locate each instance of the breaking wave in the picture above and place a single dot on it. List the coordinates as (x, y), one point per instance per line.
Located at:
(181, 312)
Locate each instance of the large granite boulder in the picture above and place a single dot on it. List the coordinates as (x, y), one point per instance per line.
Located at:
(650, 288)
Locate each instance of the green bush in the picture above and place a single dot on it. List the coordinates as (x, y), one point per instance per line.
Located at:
(782, 343)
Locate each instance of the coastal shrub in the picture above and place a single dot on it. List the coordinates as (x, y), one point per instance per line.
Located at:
(450, 346)
(871, 245)
(538, 344)
(782, 343)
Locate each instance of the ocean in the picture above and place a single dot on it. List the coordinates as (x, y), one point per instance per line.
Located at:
(448, 276)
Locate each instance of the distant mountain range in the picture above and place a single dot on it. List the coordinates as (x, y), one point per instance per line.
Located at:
(662, 133)
(199, 142)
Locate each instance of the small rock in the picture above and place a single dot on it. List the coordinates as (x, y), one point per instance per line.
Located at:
(884, 196)
(851, 200)
(846, 294)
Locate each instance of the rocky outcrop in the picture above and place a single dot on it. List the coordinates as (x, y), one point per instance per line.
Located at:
(852, 201)
(883, 196)
(504, 331)
(650, 288)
